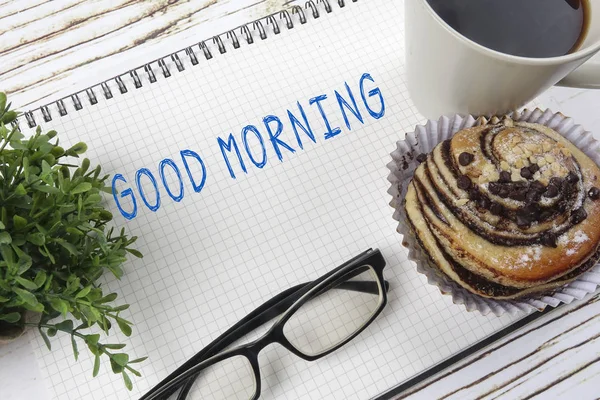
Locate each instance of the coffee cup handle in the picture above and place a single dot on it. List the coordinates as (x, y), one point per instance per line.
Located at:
(586, 76)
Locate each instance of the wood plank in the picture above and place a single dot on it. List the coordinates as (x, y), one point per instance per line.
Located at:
(76, 52)
(548, 356)
(35, 14)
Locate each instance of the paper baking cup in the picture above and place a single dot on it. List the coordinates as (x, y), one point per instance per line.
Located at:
(402, 167)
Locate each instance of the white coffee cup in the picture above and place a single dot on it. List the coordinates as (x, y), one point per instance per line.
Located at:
(450, 74)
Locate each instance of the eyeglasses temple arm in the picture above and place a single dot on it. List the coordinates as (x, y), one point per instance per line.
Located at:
(264, 313)
(244, 327)
(267, 311)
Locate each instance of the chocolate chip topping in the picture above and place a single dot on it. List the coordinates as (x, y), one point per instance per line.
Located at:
(572, 178)
(533, 168)
(532, 196)
(465, 158)
(474, 194)
(496, 209)
(545, 215)
(504, 177)
(549, 239)
(463, 182)
(523, 222)
(556, 181)
(504, 192)
(551, 192)
(537, 186)
(518, 194)
(422, 157)
(494, 188)
(578, 216)
(484, 203)
(594, 193)
(526, 173)
(531, 212)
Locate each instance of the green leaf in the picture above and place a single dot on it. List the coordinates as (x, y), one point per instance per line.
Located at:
(93, 198)
(91, 313)
(122, 307)
(45, 337)
(85, 165)
(135, 253)
(52, 331)
(133, 371)
(96, 366)
(124, 326)
(92, 339)
(2, 225)
(59, 305)
(2, 102)
(81, 188)
(19, 222)
(138, 360)
(7, 254)
(127, 381)
(95, 294)
(24, 265)
(65, 326)
(68, 246)
(40, 278)
(20, 190)
(36, 238)
(46, 169)
(83, 292)
(26, 296)
(11, 318)
(75, 349)
(3, 299)
(114, 346)
(108, 298)
(74, 231)
(46, 189)
(5, 238)
(120, 358)
(116, 368)
(39, 307)
(57, 151)
(9, 117)
(26, 283)
(18, 145)
(77, 149)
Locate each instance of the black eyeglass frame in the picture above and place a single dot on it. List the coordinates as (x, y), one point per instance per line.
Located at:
(370, 258)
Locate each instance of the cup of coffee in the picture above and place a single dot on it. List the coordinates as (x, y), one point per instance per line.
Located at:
(485, 57)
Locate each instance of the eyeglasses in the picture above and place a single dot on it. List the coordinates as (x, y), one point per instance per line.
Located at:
(318, 318)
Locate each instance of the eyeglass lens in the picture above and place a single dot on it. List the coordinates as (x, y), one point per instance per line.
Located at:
(331, 316)
(231, 378)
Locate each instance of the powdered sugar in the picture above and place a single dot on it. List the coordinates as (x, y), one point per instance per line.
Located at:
(531, 254)
(572, 243)
(580, 237)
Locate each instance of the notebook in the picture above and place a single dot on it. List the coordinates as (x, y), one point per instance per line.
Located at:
(281, 131)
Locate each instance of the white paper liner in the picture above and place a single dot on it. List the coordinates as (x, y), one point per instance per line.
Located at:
(402, 167)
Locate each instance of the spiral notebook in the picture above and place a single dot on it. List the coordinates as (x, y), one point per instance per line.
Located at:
(246, 164)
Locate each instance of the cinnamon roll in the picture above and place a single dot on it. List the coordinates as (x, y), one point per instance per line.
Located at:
(507, 210)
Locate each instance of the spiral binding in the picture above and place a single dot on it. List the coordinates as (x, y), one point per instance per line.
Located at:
(247, 32)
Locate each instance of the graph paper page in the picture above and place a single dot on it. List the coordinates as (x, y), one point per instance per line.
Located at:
(245, 228)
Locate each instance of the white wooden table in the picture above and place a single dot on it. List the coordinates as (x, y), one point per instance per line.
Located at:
(49, 48)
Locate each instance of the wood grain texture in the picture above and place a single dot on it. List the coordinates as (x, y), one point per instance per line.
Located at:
(49, 49)
(554, 357)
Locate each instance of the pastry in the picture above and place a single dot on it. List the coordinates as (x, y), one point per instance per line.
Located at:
(507, 209)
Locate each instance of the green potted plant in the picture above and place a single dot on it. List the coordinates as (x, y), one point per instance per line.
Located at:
(55, 244)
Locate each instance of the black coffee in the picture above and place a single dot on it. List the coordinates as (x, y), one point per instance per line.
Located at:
(528, 28)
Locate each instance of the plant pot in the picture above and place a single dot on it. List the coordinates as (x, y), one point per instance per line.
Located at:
(11, 332)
